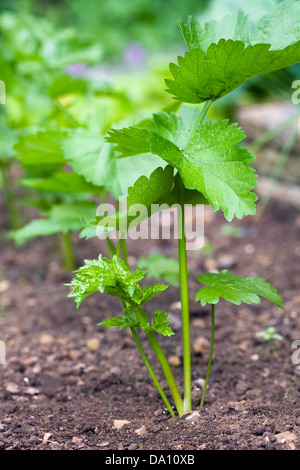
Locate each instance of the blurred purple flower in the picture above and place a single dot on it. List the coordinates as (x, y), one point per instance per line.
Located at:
(134, 54)
(76, 69)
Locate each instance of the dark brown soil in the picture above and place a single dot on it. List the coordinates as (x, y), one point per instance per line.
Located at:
(67, 380)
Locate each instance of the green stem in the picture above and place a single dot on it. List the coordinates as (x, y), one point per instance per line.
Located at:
(119, 247)
(67, 252)
(184, 289)
(167, 371)
(184, 292)
(11, 205)
(204, 110)
(110, 247)
(125, 252)
(212, 339)
(151, 372)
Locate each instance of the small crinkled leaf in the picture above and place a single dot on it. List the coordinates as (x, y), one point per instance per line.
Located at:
(131, 319)
(160, 323)
(223, 56)
(137, 318)
(235, 289)
(151, 291)
(111, 276)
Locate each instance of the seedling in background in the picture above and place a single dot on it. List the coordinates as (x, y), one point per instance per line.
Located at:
(162, 268)
(201, 163)
(270, 336)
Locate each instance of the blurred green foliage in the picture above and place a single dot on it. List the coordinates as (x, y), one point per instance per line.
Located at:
(117, 23)
(75, 68)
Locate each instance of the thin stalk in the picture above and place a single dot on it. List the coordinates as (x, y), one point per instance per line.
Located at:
(110, 247)
(184, 289)
(291, 386)
(185, 314)
(269, 135)
(67, 252)
(212, 340)
(151, 372)
(11, 205)
(109, 244)
(204, 110)
(125, 252)
(119, 247)
(167, 371)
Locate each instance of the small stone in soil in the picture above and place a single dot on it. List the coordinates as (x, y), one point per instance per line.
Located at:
(201, 345)
(226, 262)
(119, 423)
(141, 431)
(93, 344)
(174, 361)
(286, 436)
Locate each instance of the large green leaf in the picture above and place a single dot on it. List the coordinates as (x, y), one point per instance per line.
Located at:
(223, 56)
(207, 157)
(235, 289)
(89, 155)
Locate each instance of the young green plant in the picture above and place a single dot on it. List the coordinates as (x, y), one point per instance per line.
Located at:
(201, 162)
(270, 336)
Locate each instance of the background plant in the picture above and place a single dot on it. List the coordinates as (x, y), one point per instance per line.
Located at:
(270, 336)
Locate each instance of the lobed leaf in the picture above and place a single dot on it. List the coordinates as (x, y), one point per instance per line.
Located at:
(208, 159)
(235, 289)
(223, 56)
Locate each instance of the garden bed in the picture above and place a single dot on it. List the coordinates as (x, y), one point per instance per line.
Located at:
(67, 382)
